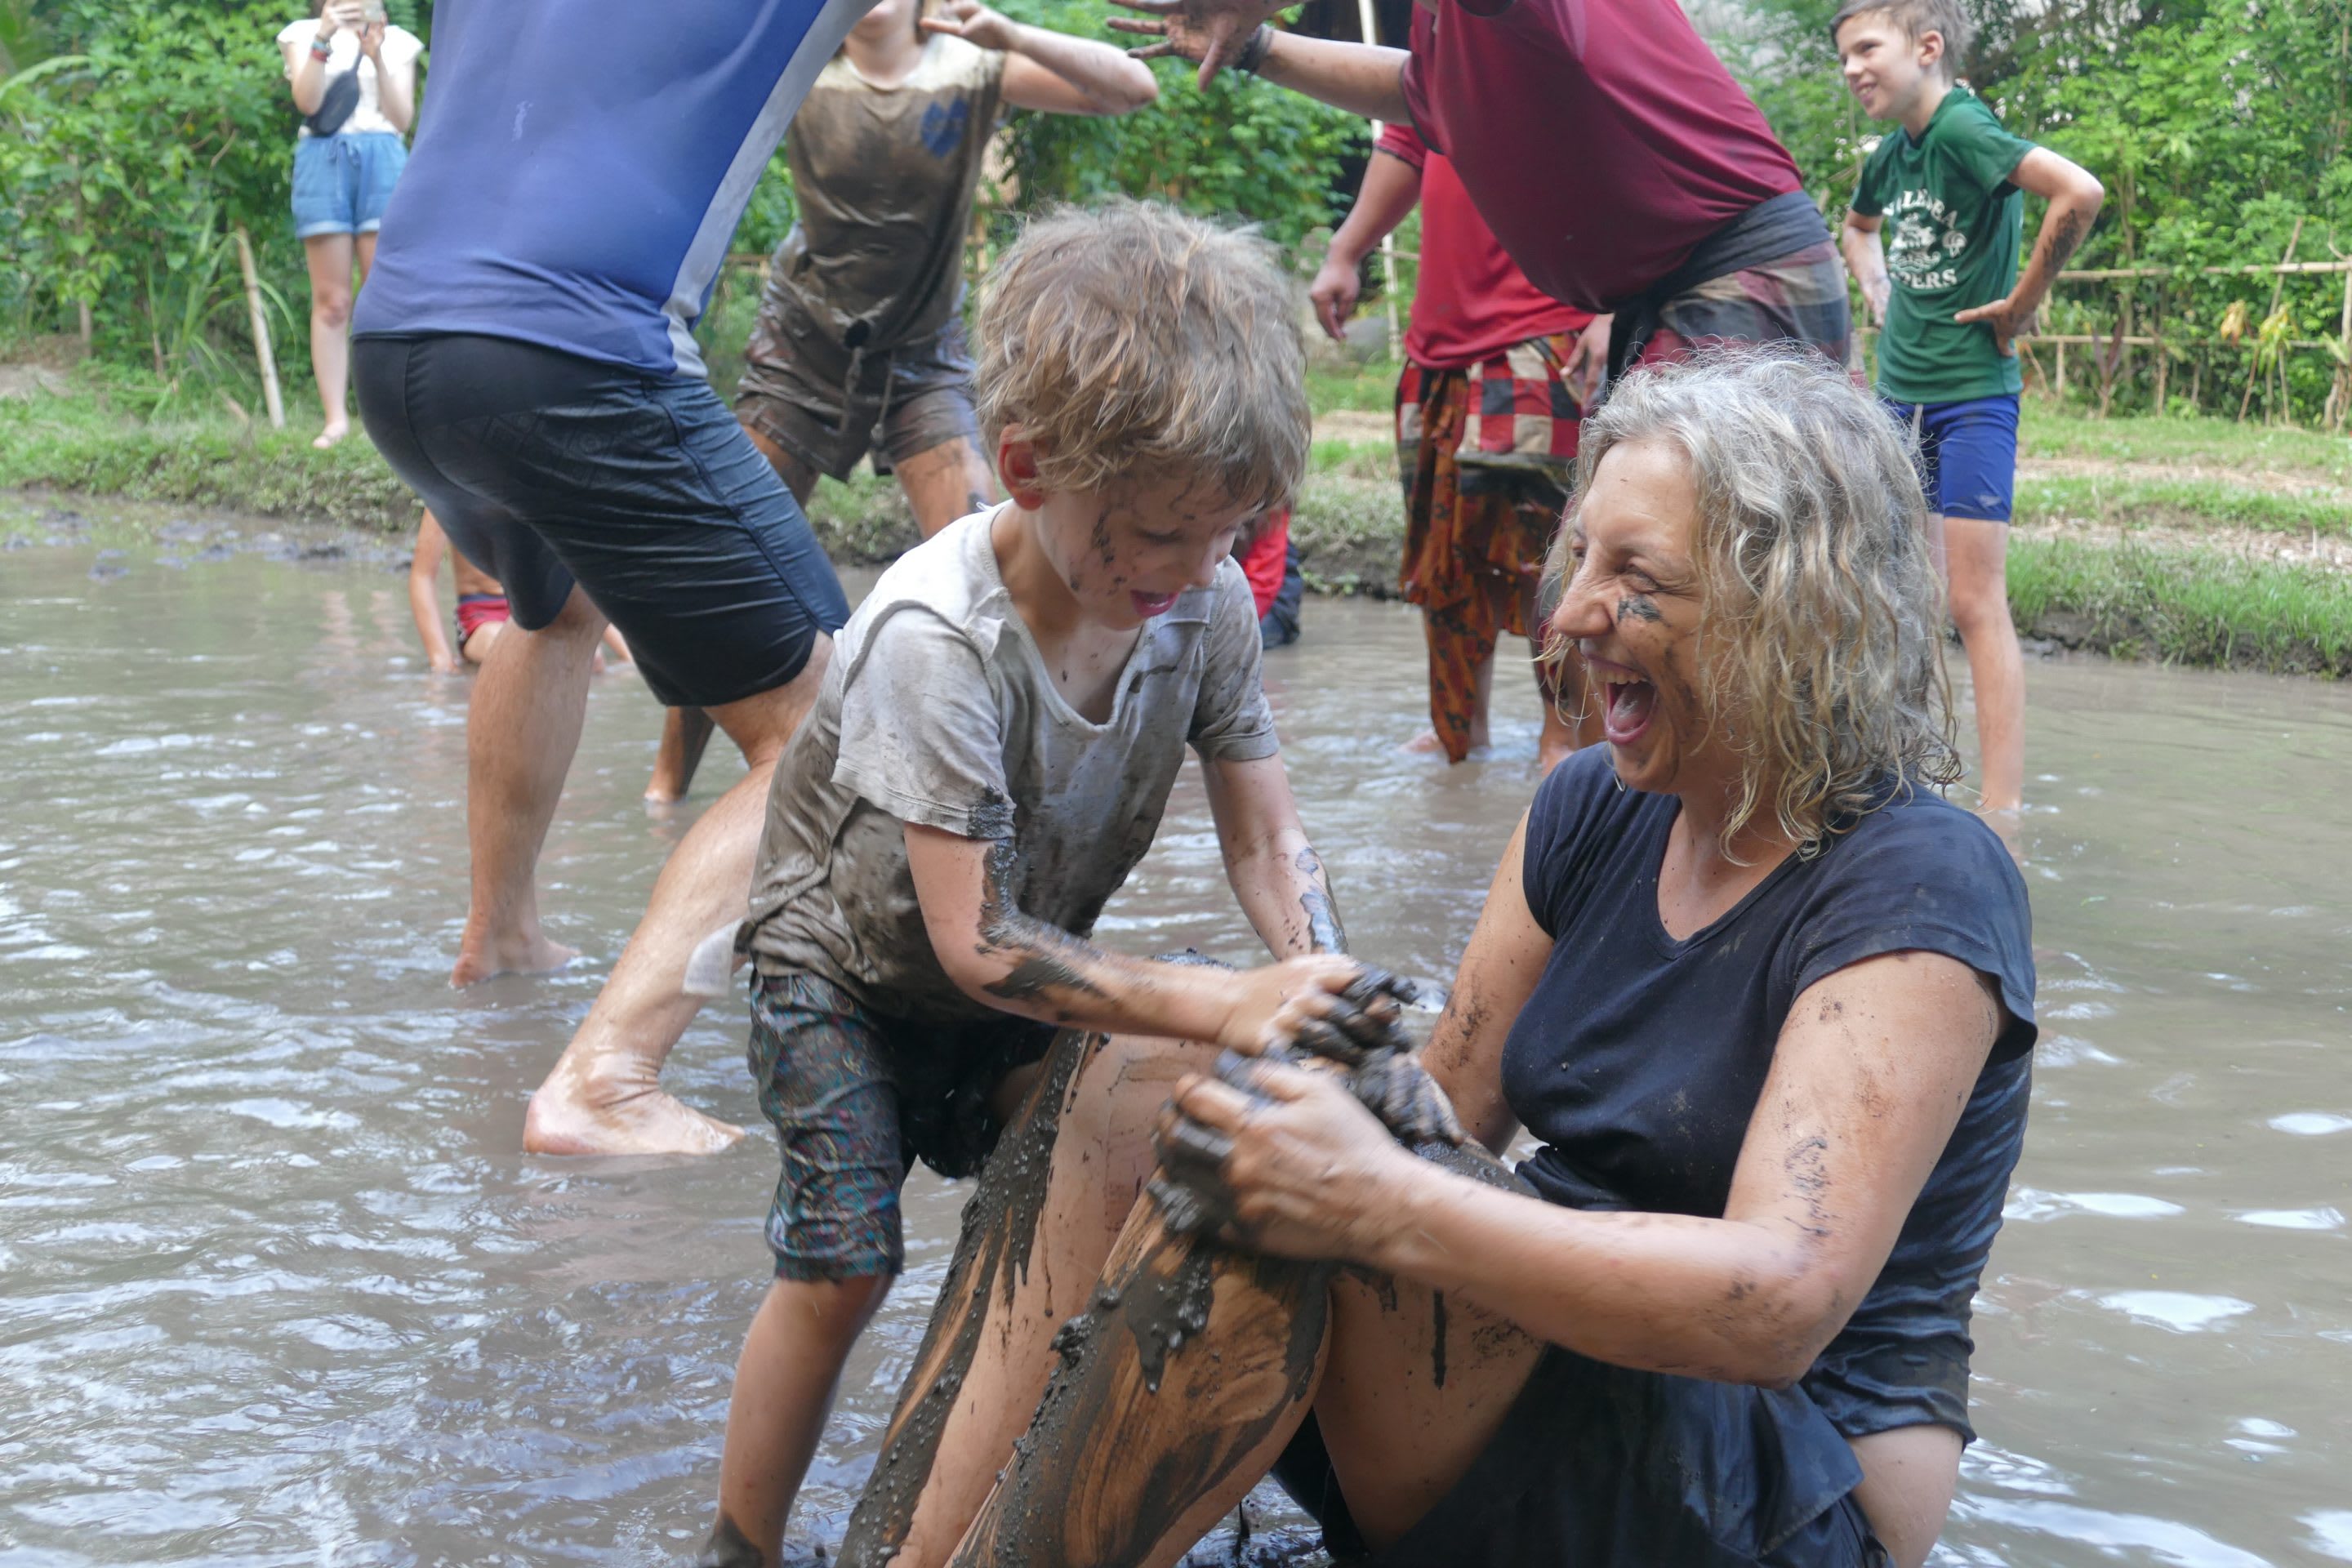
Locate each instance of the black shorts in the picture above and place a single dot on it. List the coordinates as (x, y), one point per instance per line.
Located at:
(547, 469)
(1604, 1466)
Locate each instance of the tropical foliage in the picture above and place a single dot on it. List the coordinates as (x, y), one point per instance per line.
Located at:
(2222, 129)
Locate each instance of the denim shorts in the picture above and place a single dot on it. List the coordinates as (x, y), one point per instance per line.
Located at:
(1967, 454)
(856, 1096)
(343, 183)
(547, 469)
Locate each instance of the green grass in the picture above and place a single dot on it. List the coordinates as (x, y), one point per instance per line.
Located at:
(2129, 501)
(2048, 432)
(2184, 607)
(1370, 385)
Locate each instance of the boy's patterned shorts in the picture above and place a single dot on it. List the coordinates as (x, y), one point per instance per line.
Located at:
(855, 1097)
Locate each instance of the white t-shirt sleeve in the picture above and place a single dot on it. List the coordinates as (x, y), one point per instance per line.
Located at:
(299, 33)
(922, 738)
(401, 46)
(1230, 721)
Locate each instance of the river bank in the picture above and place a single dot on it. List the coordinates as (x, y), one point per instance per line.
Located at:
(2192, 542)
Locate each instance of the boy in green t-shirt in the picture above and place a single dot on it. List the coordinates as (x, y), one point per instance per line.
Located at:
(1947, 187)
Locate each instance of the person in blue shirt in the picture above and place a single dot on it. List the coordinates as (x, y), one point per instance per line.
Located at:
(525, 359)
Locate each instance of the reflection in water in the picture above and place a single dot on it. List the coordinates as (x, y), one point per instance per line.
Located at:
(281, 1288)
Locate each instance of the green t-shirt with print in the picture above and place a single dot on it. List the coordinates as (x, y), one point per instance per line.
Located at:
(1954, 226)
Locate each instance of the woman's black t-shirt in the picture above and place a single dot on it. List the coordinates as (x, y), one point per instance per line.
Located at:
(1639, 1059)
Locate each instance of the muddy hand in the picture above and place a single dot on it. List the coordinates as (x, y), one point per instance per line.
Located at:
(1283, 1160)
(1210, 31)
(1398, 1089)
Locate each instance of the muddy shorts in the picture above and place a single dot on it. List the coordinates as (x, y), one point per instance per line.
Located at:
(829, 406)
(1604, 1466)
(856, 1096)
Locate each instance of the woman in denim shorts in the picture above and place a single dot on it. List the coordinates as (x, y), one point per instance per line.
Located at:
(353, 77)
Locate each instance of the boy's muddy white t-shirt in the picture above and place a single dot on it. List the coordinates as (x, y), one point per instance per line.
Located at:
(937, 709)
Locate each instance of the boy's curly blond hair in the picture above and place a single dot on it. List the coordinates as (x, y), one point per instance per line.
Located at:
(1133, 342)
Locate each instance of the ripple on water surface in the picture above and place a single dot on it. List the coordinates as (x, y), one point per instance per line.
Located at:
(281, 1287)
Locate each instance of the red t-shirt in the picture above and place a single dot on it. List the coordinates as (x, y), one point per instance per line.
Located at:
(1471, 303)
(1600, 139)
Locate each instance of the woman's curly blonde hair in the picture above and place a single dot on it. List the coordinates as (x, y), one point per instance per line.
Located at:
(1821, 613)
(1130, 341)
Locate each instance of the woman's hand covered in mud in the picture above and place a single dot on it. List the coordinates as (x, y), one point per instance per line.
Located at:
(1286, 1158)
(973, 23)
(1324, 996)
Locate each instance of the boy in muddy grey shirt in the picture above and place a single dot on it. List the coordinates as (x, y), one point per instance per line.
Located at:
(988, 758)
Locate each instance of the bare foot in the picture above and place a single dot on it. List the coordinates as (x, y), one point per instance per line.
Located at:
(331, 436)
(624, 1116)
(1427, 744)
(536, 956)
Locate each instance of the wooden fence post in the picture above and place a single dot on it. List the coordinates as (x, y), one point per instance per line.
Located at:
(260, 332)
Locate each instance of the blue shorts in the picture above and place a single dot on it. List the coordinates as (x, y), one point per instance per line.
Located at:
(342, 183)
(1967, 454)
(546, 470)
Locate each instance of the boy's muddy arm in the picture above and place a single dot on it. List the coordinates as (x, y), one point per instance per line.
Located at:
(2076, 196)
(1274, 872)
(1009, 960)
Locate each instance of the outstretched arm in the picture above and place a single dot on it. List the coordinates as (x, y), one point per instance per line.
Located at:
(1362, 79)
(2076, 196)
(1007, 959)
(1047, 70)
(1274, 871)
(1392, 188)
(424, 595)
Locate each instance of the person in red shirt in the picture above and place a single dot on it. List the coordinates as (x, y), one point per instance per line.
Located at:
(1613, 154)
(1486, 414)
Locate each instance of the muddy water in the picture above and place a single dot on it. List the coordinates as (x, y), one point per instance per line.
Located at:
(277, 1287)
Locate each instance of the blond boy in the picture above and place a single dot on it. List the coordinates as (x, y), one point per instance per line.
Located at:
(990, 755)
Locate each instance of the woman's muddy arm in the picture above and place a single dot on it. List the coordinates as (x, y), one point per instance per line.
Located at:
(1867, 1082)
(1499, 969)
(1274, 872)
(998, 956)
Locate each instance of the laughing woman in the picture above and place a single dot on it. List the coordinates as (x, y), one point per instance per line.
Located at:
(1764, 1000)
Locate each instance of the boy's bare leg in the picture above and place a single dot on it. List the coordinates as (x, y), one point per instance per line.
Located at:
(685, 732)
(784, 1384)
(605, 1096)
(520, 733)
(1976, 556)
(476, 649)
(946, 482)
(1069, 1167)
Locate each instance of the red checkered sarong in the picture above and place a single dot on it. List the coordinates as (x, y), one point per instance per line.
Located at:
(1487, 455)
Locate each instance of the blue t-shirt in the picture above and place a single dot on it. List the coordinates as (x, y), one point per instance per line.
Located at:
(1639, 1059)
(581, 167)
